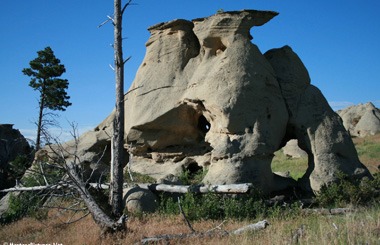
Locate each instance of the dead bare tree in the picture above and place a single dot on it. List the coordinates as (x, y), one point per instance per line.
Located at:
(76, 181)
(116, 198)
(118, 152)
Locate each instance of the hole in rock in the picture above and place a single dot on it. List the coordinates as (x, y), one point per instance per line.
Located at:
(193, 168)
(203, 124)
(290, 161)
(215, 44)
(192, 174)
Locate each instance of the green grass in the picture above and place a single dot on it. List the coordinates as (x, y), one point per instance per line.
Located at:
(296, 166)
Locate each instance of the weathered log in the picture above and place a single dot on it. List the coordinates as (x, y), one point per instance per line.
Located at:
(228, 189)
(252, 227)
(36, 188)
(326, 211)
(223, 189)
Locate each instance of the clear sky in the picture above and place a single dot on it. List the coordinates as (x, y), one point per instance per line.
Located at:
(338, 41)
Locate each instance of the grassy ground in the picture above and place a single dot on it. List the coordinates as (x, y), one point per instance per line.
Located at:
(360, 227)
(296, 166)
(368, 149)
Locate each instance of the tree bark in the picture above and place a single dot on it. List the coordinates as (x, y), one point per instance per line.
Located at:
(116, 198)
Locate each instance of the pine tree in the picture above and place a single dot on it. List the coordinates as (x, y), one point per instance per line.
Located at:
(45, 71)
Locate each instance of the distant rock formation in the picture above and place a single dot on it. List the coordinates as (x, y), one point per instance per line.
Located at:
(12, 144)
(361, 120)
(291, 149)
(205, 97)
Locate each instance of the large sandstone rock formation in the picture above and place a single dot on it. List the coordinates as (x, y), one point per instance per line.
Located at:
(361, 120)
(206, 97)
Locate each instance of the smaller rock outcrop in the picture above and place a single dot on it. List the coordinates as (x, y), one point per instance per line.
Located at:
(361, 120)
(12, 144)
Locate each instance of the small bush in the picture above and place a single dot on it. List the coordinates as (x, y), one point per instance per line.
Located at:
(216, 206)
(192, 178)
(24, 204)
(19, 165)
(348, 191)
(28, 203)
(137, 178)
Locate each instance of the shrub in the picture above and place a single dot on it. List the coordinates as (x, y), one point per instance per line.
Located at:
(24, 204)
(216, 206)
(28, 203)
(19, 165)
(192, 178)
(348, 191)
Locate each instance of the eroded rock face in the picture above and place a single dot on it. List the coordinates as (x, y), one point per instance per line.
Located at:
(361, 120)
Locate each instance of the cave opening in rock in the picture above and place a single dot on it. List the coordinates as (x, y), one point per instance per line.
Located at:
(193, 168)
(192, 173)
(203, 125)
(291, 163)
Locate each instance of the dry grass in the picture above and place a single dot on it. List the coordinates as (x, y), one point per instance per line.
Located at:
(358, 228)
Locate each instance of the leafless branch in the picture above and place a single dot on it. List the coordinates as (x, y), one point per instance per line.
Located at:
(125, 6)
(127, 59)
(184, 216)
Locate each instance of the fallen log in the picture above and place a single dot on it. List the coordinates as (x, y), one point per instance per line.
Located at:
(227, 189)
(252, 227)
(222, 189)
(326, 211)
(36, 188)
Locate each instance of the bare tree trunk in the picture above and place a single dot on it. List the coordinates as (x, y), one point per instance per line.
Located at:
(39, 123)
(116, 199)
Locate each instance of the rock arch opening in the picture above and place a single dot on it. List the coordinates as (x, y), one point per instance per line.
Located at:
(290, 161)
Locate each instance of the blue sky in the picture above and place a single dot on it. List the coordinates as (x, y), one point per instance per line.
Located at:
(338, 41)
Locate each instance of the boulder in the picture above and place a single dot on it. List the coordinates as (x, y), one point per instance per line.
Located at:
(138, 200)
(361, 120)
